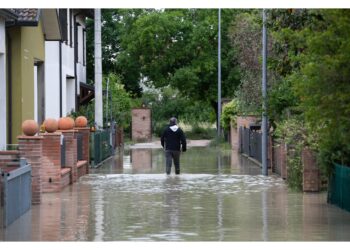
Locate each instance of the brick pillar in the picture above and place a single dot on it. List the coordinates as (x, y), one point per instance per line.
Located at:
(234, 137)
(30, 147)
(86, 145)
(71, 152)
(51, 167)
(311, 173)
(119, 137)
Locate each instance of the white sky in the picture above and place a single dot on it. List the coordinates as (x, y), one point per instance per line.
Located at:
(176, 4)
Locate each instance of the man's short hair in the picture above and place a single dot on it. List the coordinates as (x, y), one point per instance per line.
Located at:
(173, 121)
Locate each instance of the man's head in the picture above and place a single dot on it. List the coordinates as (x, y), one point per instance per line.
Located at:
(172, 121)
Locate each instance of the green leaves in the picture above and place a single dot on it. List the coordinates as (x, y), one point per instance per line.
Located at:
(119, 103)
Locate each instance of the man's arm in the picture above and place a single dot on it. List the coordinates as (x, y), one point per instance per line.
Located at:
(183, 141)
(162, 138)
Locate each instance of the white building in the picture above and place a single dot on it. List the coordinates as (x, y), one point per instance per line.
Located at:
(4, 15)
(65, 68)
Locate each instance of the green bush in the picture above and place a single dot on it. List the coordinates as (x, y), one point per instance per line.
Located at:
(199, 132)
(292, 132)
(229, 113)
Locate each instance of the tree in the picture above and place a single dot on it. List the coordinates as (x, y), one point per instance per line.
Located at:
(115, 24)
(179, 48)
(323, 83)
(119, 103)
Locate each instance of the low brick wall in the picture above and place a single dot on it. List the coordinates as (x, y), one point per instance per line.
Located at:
(65, 177)
(51, 162)
(43, 153)
(311, 172)
(279, 162)
(71, 153)
(82, 168)
(30, 147)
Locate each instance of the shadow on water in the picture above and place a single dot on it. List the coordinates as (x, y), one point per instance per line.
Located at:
(219, 196)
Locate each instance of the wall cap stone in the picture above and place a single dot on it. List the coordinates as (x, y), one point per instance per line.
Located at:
(26, 137)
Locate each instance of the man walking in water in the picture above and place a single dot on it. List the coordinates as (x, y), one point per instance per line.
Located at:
(171, 139)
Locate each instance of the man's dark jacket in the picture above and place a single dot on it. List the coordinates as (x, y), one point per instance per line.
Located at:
(172, 137)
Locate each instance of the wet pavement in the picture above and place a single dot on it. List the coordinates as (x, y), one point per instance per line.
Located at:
(219, 196)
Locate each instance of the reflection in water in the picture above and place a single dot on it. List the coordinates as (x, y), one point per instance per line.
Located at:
(218, 197)
(141, 160)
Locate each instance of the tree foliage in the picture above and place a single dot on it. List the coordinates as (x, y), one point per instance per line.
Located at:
(179, 48)
(118, 105)
(229, 114)
(323, 83)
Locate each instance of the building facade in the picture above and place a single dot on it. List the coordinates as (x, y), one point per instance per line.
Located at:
(66, 64)
(42, 66)
(4, 16)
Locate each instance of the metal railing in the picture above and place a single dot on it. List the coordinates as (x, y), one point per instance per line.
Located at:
(101, 146)
(250, 143)
(63, 151)
(339, 188)
(17, 193)
(79, 147)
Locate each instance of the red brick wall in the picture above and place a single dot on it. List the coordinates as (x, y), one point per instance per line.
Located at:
(311, 173)
(30, 147)
(234, 140)
(280, 159)
(71, 153)
(119, 137)
(51, 162)
(82, 168)
(65, 178)
(141, 124)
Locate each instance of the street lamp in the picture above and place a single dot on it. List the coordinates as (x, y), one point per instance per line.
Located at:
(264, 98)
(219, 71)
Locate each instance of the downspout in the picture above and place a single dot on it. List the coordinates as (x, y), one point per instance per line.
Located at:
(60, 70)
(76, 58)
(9, 100)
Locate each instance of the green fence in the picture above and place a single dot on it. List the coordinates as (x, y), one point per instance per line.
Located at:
(100, 147)
(339, 188)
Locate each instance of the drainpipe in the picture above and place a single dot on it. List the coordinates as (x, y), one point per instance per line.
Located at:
(75, 58)
(60, 70)
(9, 100)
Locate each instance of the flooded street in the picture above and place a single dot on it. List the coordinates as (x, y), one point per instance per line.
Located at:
(219, 196)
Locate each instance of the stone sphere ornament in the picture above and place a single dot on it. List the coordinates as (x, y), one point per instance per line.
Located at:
(65, 123)
(51, 125)
(30, 127)
(81, 121)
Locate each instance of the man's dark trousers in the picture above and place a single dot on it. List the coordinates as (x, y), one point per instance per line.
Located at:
(171, 155)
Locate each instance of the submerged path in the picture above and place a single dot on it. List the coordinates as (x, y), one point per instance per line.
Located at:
(156, 144)
(219, 196)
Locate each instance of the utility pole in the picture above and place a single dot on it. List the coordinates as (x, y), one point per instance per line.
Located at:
(219, 73)
(264, 97)
(98, 70)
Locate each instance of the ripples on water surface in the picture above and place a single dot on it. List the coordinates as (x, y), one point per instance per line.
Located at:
(217, 197)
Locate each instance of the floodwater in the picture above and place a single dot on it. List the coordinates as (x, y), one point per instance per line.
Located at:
(219, 196)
